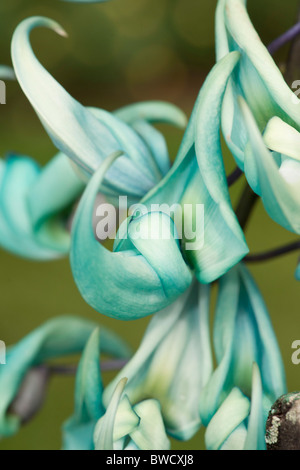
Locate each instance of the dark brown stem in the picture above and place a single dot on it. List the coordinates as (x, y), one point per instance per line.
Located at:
(271, 254)
(234, 176)
(245, 206)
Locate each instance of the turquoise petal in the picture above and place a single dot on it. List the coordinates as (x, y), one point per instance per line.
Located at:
(143, 279)
(173, 362)
(224, 242)
(32, 202)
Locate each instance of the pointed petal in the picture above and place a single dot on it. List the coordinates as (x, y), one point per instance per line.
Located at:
(256, 425)
(75, 130)
(78, 430)
(104, 432)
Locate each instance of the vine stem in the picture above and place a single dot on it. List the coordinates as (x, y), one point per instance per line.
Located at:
(274, 253)
(245, 206)
(288, 36)
(106, 366)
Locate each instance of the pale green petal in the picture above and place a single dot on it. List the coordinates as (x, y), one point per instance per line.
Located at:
(173, 362)
(153, 112)
(280, 195)
(150, 434)
(236, 440)
(282, 138)
(227, 419)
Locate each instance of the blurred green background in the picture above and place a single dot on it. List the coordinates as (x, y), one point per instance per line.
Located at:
(117, 53)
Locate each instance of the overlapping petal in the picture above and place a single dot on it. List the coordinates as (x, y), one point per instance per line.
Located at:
(271, 165)
(243, 334)
(124, 427)
(276, 180)
(146, 274)
(198, 177)
(239, 422)
(173, 362)
(57, 337)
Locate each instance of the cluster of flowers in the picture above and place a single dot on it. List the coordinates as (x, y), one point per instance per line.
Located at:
(170, 386)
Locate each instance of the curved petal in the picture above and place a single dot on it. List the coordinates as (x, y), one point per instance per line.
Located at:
(173, 362)
(153, 112)
(226, 420)
(57, 337)
(280, 194)
(257, 79)
(75, 130)
(56, 189)
(142, 279)
(224, 244)
(141, 423)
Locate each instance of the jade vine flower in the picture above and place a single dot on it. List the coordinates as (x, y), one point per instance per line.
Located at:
(146, 275)
(262, 127)
(58, 337)
(173, 362)
(243, 334)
